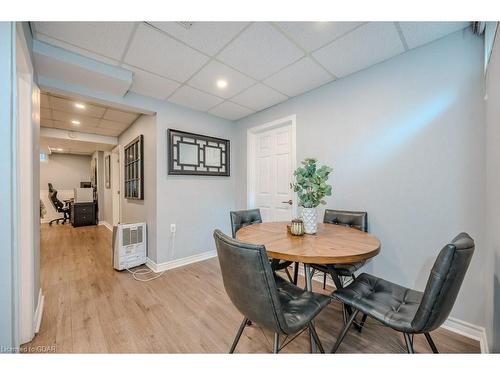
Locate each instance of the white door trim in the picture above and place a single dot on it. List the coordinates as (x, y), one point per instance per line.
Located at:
(251, 136)
(116, 185)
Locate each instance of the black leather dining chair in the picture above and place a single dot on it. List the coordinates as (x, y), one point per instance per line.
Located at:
(406, 310)
(340, 273)
(242, 218)
(262, 296)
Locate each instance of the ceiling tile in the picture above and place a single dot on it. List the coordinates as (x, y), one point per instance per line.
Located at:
(193, 98)
(44, 100)
(230, 111)
(78, 50)
(206, 80)
(60, 124)
(302, 76)
(68, 117)
(313, 35)
(104, 38)
(45, 113)
(259, 97)
(120, 116)
(152, 85)
(66, 105)
(46, 123)
(419, 33)
(113, 125)
(208, 37)
(156, 52)
(260, 51)
(367, 45)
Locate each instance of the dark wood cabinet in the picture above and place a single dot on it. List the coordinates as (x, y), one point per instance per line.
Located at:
(83, 214)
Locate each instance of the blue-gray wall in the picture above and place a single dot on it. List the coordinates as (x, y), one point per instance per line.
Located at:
(406, 141)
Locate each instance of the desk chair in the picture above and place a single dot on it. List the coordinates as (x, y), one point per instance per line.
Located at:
(58, 205)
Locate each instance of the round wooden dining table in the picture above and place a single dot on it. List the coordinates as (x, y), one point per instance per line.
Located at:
(332, 244)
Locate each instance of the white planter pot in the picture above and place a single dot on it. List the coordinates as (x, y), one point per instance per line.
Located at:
(310, 218)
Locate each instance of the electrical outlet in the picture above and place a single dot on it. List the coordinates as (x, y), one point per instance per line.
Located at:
(173, 228)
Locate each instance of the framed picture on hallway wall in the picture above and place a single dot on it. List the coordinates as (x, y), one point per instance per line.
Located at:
(196, 154)
(107, 171)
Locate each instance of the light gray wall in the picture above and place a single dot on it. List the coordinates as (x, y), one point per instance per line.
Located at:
(7, 274)
(492, 290)
(406, 142)
(65, 171)
(196, 204)
(142, 210)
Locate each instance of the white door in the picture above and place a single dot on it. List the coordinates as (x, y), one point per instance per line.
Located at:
(272, 164)
(115, 184)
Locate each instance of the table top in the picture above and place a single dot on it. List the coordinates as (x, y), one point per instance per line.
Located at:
(332, 244)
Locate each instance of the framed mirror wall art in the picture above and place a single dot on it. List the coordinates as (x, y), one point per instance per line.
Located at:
(196, 154)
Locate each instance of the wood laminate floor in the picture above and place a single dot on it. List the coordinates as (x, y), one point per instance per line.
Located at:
(91, 308)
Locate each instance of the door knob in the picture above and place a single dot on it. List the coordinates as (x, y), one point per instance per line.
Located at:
(288, 201)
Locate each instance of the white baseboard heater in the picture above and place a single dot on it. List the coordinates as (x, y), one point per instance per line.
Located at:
(129, 245)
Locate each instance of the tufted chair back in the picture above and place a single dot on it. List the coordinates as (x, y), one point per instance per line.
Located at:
(354, 219)
(249, 282)
(444, 283)
(240, 219)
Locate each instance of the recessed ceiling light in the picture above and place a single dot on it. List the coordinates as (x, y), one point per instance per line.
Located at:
(221, 83)
(75, 122)
(80, 105)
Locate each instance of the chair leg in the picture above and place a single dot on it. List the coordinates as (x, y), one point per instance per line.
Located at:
(238, 335)
(316, 338)
(276, 343)
(431, 342)
(288, 275)
(296, 273)
(409, 343)
(340, 338)
(362, 324)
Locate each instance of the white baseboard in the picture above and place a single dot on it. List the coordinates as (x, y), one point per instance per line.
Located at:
(106, 224)
(160, 267)
(468, 330)
(455, 325)
(37, 319)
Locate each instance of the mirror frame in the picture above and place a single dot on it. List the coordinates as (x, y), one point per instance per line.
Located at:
(174, 137)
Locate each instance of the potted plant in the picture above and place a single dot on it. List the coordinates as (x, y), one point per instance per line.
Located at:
(311, 187)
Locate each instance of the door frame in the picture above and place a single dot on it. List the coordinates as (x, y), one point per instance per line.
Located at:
(251, 137)
(115, 172)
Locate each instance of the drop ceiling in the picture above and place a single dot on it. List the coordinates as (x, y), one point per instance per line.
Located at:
(263, 63)
(61, 112)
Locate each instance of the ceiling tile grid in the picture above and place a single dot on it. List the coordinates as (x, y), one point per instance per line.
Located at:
(194, 99)
(302, 76)
(230, 111)
(158, 53)
(260, 51)
(262, 63)
(62, 113)
(367, 45)
(108, 39)
(259, 97)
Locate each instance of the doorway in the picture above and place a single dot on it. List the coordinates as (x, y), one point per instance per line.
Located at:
(115, 184)
(271, 160)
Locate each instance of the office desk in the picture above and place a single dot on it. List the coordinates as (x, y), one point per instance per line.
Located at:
(83, 214)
